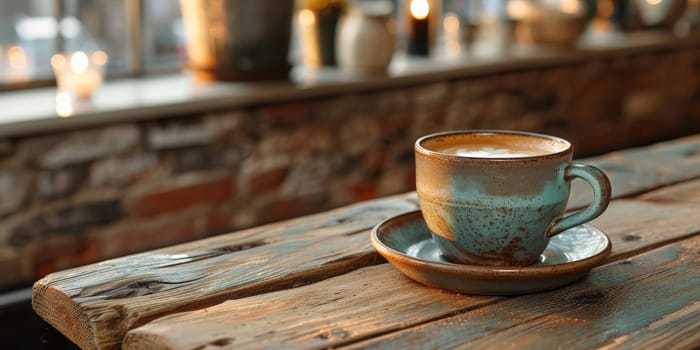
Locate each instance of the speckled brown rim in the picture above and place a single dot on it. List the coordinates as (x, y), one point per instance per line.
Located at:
(483, 271)
(419, 148)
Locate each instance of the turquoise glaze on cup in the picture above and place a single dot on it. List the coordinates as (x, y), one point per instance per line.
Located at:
(500, 211)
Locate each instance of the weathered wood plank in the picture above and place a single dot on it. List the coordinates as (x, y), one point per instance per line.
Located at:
(635, 225)
(134, 290)
(650, 301)
(638, 170)
(684, 192)
(245, 322)
(677, 330)
(361, 303)
(95, 305)
(200, 274)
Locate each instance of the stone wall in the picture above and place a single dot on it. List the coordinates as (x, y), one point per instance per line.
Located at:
(72, 198)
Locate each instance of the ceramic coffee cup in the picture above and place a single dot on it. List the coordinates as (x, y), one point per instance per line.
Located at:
(496, 197)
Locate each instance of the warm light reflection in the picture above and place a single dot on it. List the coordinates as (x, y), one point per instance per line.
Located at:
(306, 17)
(308, 34)
(451, 24)
(64, 105)
(99, 58)
(79, 74)
(420, 9)
(16, 57)
(517, 8)
(79, 62)
(58, 62)
(654, 2)
(570, 6)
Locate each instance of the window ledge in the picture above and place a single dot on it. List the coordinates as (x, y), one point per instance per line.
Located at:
(33, 111)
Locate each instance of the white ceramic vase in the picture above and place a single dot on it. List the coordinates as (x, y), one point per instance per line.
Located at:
(366, 41)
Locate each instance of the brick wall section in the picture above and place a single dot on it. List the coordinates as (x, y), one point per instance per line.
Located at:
(76, 197)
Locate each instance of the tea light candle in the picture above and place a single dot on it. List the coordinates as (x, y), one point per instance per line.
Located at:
(419, 28)
(79, 75)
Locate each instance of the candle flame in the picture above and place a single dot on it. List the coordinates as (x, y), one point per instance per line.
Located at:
(420, 9)
(79, 62)
(306, 17)
(16, 57)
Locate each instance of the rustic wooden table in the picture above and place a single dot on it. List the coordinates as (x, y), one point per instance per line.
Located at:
(316, 282)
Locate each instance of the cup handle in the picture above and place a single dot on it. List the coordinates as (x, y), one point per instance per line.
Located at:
(601, 197)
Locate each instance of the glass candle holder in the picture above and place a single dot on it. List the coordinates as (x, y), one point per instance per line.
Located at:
(79, 74)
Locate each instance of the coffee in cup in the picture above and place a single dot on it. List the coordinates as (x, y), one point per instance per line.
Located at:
(495, 197)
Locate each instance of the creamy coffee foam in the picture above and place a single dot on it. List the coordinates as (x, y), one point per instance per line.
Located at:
(496, 146)
(489, 152)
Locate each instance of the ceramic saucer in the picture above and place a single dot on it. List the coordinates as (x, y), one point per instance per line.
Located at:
(406, 242)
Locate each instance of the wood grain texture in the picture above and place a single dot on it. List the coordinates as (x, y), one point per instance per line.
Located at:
(297, 323)
(359, 304)
(635, 226)
(683, 192)
(95, 305)
(637, 170)
(650, 301)
(128, 292)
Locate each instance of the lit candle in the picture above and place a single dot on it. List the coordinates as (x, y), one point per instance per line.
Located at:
(82, 80)
(81, 74)
(419, 28)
